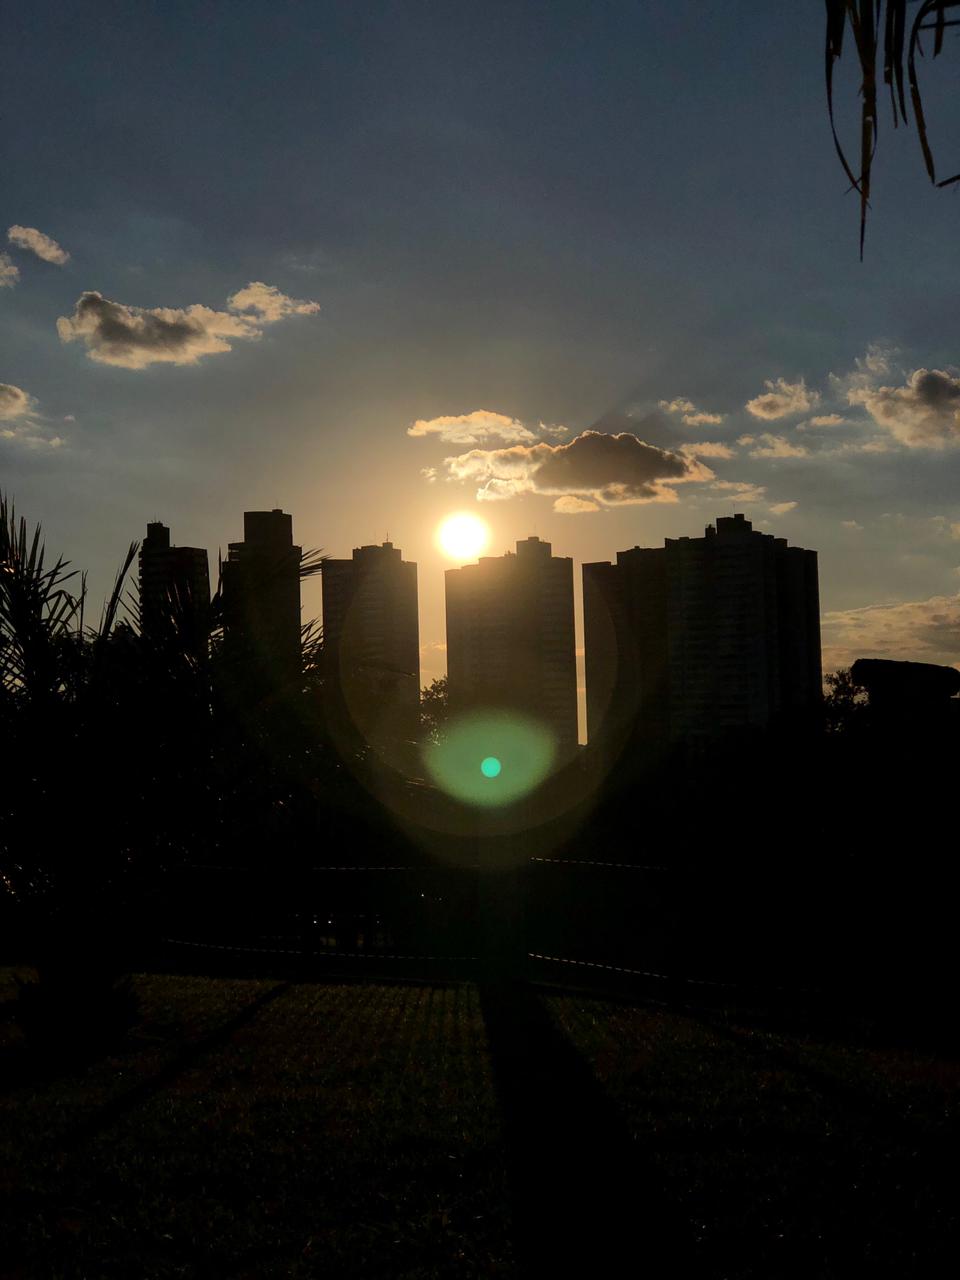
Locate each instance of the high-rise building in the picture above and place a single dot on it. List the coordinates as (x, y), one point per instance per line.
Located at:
(371, 637)
(171, 578)
(261, 595)
(700, 637)
(510, 637)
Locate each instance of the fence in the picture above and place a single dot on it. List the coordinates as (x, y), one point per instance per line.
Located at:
(696, 933)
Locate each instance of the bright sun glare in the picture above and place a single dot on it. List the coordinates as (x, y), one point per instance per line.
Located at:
(463, 536)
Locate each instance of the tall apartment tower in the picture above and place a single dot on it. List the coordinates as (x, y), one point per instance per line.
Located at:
(177, 576)
(701, 637)
(510, 637)
(261, 595)
(371, 637)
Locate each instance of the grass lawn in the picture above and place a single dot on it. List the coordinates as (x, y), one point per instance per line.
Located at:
(785, 1155)
(251, 1128)
(343, 1130)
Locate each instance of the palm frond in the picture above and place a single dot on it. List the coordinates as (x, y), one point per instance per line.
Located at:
(865, 19)
(36, 609)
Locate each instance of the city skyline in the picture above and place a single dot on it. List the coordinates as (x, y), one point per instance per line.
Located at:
(370, 617)
(390, 314)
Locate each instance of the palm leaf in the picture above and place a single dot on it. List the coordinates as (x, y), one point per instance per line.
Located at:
(865, 18)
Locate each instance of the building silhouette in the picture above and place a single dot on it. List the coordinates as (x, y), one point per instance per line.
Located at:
(172, 580)
(371, 637)
(510, 637)
(261, 597)
(701, 637)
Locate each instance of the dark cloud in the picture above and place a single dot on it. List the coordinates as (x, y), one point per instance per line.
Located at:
(924, 413)
(134, 337)
(609, 469)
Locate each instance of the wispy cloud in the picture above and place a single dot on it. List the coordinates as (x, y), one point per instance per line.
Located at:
(478, 427)
(14, 402)
(18, 424)
(135, 337)
(782, 399)
(781, 508)
(35, 241)
(769, 446)
(916, 630)
(268, 304)
(706, 449)
(740, 490)
(571, 505)
(828, 420)
(9, 272)
(690, 414)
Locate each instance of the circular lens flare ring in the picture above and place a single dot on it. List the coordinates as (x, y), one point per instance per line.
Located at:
(463, 536)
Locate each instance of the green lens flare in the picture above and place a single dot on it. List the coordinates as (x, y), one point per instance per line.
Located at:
(517, 750)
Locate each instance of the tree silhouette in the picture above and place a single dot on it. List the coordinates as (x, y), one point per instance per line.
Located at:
(131, 751)
(845, 701)
(434, 708)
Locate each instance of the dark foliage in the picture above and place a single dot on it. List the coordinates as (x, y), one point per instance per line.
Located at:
(131, 750)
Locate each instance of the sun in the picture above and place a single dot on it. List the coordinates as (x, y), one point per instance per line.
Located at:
(463, 536)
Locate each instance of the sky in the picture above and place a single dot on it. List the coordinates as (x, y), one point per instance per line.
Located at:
(377, 263)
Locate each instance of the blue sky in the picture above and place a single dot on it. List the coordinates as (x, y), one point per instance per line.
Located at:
(559, 214)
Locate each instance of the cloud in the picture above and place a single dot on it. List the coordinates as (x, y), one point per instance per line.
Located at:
(706, 449)
(782, 399)
(17, 424)
(878, 445)
(610, 470)
(268, 303)
(852, 524)
(691, 415)
(865, 374)
(923, 414)
(702, 419)
(571, 505)
(781, 508)
(914, 631)
(43, 246)
(768, 446)
(134, 337)
(30, 438)
(9, 272)
(473, 428)
(14, 402)
(740, 490)
(828, 420)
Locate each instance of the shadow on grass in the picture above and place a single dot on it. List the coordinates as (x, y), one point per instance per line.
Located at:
(584, 1198)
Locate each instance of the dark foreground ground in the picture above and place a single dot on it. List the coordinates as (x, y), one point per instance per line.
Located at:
(248, 1128)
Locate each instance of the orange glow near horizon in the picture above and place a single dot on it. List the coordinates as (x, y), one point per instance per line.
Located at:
(463, 536)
